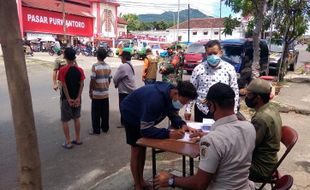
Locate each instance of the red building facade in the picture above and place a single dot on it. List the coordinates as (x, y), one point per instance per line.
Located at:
(73, 19)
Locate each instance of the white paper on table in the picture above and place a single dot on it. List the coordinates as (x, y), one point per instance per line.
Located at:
(195, 125)
(186, 137)
(205, 127)
(208, 122)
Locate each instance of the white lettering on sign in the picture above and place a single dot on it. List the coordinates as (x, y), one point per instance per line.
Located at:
(54, 21)
(37, 18)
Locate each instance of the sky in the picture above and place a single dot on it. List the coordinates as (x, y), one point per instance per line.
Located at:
(209, 7)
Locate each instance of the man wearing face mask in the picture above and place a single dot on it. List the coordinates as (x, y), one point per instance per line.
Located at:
(147, 106)
(225, 152)
(208, 73)
(267, 122)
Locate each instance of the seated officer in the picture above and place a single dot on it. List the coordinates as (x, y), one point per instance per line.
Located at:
(225, 152)
(267, 122)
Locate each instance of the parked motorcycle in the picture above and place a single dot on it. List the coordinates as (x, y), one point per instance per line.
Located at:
(52, 50)
(88, 51)
(110, 53)
(28, 50)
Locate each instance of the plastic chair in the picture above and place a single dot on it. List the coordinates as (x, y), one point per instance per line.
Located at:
(284, 183)
(289, 138)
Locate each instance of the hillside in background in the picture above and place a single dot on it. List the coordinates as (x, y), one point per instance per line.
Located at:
(168, 16)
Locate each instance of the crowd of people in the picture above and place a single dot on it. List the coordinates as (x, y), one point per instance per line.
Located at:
(232, 155)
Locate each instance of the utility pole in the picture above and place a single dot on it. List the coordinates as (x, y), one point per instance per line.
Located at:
(188, 23)
(178, 22)
(64, 21)
(173, 26)
(220, 18)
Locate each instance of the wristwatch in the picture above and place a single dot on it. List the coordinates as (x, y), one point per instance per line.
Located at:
(171, 181)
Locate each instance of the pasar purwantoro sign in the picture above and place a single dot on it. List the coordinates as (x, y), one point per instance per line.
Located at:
(37, 20)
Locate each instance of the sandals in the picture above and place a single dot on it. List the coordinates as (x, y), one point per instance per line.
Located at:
(67, 146)
(70, 146)
(76, 142)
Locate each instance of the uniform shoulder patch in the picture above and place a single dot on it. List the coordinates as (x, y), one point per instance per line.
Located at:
(203, 149)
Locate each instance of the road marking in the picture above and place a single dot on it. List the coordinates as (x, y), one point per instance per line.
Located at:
(92, 175)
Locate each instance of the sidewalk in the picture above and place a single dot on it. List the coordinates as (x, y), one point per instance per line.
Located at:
(295, 95)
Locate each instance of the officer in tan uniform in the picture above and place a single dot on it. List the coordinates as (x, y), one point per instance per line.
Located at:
(150, 68)
(59, 62)
(225, 152)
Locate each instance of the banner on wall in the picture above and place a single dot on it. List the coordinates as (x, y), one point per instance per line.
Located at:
(37, 20)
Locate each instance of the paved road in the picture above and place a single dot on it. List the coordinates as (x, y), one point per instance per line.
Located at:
(62, 169)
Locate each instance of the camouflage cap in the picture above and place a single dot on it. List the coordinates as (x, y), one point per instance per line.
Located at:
(259, 86)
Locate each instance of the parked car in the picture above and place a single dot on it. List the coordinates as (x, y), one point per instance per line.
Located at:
(193, 56)
(276, 55)
(239, 53)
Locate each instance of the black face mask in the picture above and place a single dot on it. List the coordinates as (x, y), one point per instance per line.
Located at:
(211, 113)
(251, 103)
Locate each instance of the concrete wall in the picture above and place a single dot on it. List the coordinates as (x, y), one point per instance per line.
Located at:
(197, 34)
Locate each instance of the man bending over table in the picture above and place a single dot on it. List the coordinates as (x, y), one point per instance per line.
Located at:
(146, 107)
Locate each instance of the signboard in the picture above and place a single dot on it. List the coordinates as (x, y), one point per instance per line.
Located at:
(42, 37)
(42, 21)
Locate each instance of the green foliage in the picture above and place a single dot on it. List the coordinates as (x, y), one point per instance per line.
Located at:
(230, 24)
(308, 48)
(250, 28)
(134, 24)
(246, 7)
(292, 19)
(291, 22)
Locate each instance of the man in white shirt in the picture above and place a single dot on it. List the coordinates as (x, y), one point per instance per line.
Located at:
(225, 152)
(209, 72)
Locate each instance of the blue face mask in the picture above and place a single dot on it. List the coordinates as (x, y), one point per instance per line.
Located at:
(177, 104)
(213, 60)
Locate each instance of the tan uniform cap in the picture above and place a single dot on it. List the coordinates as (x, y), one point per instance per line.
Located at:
(259, 86)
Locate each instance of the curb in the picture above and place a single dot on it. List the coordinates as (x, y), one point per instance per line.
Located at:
(295, 78)
(284, 108)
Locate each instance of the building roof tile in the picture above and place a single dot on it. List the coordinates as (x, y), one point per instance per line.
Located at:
(120, 20)
(77, 8)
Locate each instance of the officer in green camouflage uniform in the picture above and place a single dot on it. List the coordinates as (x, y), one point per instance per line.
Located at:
(171, 67)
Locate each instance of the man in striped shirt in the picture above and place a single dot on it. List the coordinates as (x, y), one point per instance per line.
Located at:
(99, 93)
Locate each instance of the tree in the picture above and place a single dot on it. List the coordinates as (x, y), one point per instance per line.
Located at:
(134, 23)
(291, 22)
(257, 8)
(14, 61)
(230, 24)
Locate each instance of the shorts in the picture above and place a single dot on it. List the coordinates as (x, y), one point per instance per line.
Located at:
(132, 134)
(68, 112)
